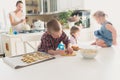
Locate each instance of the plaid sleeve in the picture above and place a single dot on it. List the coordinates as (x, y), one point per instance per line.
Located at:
(45, 45)
(65, 39)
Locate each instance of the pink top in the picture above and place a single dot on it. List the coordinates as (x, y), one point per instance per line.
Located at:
(73, 40)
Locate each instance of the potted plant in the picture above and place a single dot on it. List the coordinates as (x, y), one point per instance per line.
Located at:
(63, 18)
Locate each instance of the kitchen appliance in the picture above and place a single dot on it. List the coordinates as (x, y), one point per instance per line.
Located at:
(39, 25)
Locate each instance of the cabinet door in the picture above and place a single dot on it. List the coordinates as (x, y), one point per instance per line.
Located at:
(53, 5)
(69, 4)
(33, 7)
(63, 4)
(29, 49)
(49, 5)
(16, 46)
(77, 4)
(6, 45)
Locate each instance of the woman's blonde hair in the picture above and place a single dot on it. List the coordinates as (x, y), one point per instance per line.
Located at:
(73, 30)
(99, 14)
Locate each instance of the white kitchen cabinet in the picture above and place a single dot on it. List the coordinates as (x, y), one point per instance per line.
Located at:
(49, 6)
(77, 4)
(14, 44)
(69, 4)
(61, 5)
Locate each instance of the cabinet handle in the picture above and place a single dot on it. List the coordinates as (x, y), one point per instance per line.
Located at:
(7, 46)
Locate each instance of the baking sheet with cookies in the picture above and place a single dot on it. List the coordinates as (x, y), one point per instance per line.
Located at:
(27, 59)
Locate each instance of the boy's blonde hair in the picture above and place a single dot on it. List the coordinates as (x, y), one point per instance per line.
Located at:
(74, 29)
(99, 14)
(53, 25)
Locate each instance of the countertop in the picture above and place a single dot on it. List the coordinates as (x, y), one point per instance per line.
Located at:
(106, 66)
(23, 34)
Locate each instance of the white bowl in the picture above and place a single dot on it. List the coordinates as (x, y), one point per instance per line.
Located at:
(88, 53)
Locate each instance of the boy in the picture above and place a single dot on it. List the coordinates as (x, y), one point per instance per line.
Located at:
(52, 37)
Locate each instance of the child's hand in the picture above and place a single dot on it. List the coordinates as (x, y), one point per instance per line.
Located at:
(69, 50)
(114, 43)
(61, 52)
(55, 52)
(94, 43)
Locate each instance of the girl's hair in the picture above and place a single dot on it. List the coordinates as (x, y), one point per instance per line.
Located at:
(18, 2)
(99, 14)
(74, 29)
(53, 25)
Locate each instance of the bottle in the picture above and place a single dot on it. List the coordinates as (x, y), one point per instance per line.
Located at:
(61, 46)
(10, 31)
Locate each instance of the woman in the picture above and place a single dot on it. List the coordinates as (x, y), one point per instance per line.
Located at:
(106, 35)
(17, 18)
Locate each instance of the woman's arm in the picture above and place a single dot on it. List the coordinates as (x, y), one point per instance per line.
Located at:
(13, 23)
(114, 34)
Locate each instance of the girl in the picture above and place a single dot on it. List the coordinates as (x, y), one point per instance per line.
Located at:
(74, 32)
(106, 36)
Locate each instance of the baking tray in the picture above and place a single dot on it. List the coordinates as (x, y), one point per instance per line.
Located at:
(16, 62)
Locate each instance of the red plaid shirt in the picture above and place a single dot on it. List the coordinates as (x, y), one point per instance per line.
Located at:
(50, 43)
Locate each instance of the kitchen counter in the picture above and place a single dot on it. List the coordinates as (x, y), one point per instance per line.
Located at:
(22, 34)
(106, 66)
(14, 44)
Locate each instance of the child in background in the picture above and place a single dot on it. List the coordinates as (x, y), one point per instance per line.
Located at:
(52, 37)
(74, 32)
(106, 36)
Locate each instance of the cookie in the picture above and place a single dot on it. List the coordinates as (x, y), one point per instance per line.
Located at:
(66, 54)
(75, 48)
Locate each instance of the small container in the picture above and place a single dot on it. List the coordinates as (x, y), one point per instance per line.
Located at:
(89, 53)
(15, 32)
(61, 46)
(10, 31)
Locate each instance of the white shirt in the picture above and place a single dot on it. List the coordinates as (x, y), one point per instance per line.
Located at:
(73, 40)
(17, 19)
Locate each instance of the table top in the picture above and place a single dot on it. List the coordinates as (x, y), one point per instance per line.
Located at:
(23, 34)
(105, 66)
